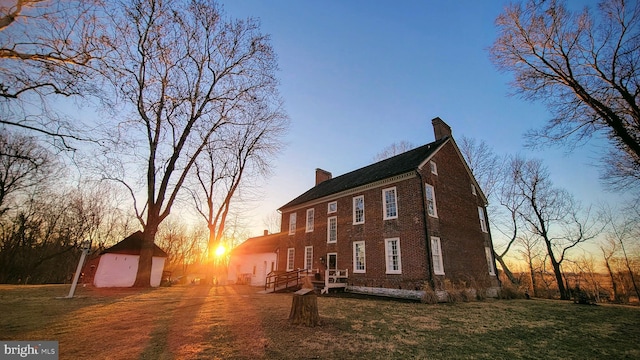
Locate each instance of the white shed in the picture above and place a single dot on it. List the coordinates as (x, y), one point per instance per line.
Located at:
(118, 265)
(251, 261)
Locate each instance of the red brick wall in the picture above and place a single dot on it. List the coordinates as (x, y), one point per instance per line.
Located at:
(457, 225)
(458, 222)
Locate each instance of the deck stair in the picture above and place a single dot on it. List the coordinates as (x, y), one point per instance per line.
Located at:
(285, 281)
(335, 279)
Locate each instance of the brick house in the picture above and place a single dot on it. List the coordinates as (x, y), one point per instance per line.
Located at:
(418, 217)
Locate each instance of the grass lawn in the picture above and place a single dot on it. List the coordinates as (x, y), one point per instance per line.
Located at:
(235, 322)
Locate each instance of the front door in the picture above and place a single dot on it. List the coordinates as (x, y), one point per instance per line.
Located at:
(332, 261)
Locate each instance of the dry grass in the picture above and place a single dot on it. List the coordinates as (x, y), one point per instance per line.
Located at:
(235, 322)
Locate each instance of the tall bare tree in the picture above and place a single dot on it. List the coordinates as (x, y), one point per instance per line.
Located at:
(551, 214)
(585, 67)
(185, 72)
(238, 157)
(47, 49)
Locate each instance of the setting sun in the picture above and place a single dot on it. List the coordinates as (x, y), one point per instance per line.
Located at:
(220, 251)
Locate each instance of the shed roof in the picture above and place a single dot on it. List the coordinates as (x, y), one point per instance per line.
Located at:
(396, 165)
(132, 245)
(258, 245)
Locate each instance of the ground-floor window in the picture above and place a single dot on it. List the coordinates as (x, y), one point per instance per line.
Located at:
(436, 253)
(291, 252)
(308, 257)
(392, 254)
(489, 255)
(359, 263)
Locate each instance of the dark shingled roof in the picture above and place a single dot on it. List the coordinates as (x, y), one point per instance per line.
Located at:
(258, 245)
(387, 168)
(131, 245)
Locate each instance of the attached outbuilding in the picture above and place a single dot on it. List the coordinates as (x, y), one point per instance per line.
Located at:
(118, 265)
(251, 261)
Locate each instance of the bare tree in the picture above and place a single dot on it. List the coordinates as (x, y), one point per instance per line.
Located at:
(623, 229)
(47, 48)
(586, 69)
(23, 164)
(238, 156)
(393, 150)
(505, 216)
(551, 214)
(186, 72)
(529, 249)
(272, 222)
(483, 162)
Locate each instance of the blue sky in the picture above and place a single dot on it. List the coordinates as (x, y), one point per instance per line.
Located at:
(357, 76)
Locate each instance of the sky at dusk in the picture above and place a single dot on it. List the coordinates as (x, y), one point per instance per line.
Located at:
(357, 76)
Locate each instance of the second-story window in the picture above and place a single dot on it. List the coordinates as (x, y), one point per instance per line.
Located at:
(332, 207)
(483, 220)
(292, 223)
(390, 203)
(310, 213)
(434, 167)
(358, 210)
(431, 200)
(332, 229)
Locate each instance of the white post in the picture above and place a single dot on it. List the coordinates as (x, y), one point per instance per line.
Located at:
(85, 249)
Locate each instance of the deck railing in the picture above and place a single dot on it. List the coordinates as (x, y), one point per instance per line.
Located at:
(284, 280)
(335, 278)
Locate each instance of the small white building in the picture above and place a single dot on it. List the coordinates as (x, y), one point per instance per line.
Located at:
(251, 261)
(118, 265)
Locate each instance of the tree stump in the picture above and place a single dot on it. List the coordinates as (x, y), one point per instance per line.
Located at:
(304, 308)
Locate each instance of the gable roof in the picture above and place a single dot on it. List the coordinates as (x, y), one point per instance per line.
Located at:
(131, 245)
(258, 245)
(396, 165)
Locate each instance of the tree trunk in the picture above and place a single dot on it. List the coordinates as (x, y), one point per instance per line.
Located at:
(564, 294)
(507, 272)
(616, 298)
(304, 308)
(143, 277)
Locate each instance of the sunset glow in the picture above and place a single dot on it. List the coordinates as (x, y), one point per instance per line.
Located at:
(220, 251)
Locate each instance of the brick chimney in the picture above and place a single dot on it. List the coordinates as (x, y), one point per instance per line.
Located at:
(266, 232)
(440, 128)
(322, 175)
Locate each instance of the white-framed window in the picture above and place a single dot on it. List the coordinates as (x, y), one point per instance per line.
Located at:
(292, 223)
(436, 254)
(359, 261)
(310, 214)
(291, 253)
(358, 210)
(332, 207)
(473, 189)
(332, 229)
(308, 257)
(489, 255)
(434, 167)
(483, 220)
(432, 210)
(392, 254)
(390, 203)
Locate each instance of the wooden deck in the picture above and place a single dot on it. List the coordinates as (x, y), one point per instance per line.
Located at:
(292, 280)
(335, 279)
